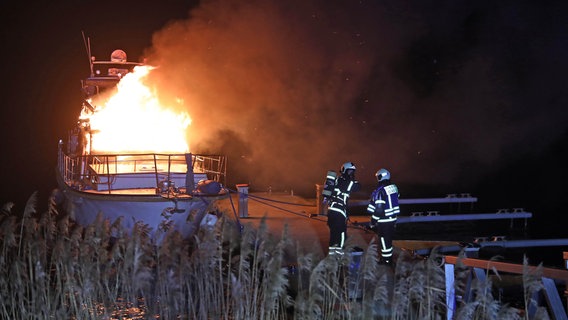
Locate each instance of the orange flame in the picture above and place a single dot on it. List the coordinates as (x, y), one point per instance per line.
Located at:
(133, 121)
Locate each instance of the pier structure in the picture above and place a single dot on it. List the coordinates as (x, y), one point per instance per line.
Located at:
(310, 228)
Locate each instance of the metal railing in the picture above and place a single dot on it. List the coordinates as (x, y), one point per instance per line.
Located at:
(480, 269)
(78, 171)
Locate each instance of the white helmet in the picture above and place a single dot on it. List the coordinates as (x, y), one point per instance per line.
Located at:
(383, 174)
(347, 166)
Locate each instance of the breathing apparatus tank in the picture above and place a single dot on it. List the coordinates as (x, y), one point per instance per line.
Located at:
(329, 184)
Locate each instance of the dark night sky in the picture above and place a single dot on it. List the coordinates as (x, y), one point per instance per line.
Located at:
(451, 96)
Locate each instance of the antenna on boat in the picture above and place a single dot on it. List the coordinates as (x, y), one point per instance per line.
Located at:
(87, 42)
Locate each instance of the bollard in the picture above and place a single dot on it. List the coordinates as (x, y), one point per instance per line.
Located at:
(242, 190)
(355, 287)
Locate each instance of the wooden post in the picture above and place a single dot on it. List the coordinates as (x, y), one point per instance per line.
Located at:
(319, 199)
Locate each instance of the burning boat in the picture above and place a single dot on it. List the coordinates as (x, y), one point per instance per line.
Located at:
(115, 164)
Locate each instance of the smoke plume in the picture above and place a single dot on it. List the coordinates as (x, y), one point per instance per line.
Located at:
(291, 89)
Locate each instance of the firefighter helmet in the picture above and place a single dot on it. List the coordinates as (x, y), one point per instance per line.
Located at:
(347, 166)
(383, 174)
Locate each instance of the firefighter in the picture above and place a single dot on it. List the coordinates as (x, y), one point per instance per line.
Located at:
(337, 213)
(384, 209)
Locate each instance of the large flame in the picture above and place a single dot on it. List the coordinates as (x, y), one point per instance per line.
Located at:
(133, 121)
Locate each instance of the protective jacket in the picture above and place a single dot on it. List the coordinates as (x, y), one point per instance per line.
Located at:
(344, 185)
(383, 206)
(337, 212)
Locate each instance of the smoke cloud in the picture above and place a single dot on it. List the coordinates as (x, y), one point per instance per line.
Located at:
(291, 89)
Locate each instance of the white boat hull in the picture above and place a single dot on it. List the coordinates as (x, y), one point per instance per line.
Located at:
(184, 215)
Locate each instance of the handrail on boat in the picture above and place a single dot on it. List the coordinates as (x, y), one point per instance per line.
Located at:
(92, 171)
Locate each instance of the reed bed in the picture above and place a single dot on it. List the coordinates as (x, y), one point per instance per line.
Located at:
(51, 268)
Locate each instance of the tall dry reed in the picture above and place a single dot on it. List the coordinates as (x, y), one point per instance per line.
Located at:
(51, 267)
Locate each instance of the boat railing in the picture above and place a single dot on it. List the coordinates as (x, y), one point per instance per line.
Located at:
(138, 170)
(214, 167)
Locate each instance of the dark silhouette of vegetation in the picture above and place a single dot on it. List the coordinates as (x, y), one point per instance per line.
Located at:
(51, 268)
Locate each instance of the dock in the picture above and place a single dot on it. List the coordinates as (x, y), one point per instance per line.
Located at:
(308, 229)
(308, 226)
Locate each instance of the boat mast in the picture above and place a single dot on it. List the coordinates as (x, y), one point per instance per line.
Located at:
(87, 42)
